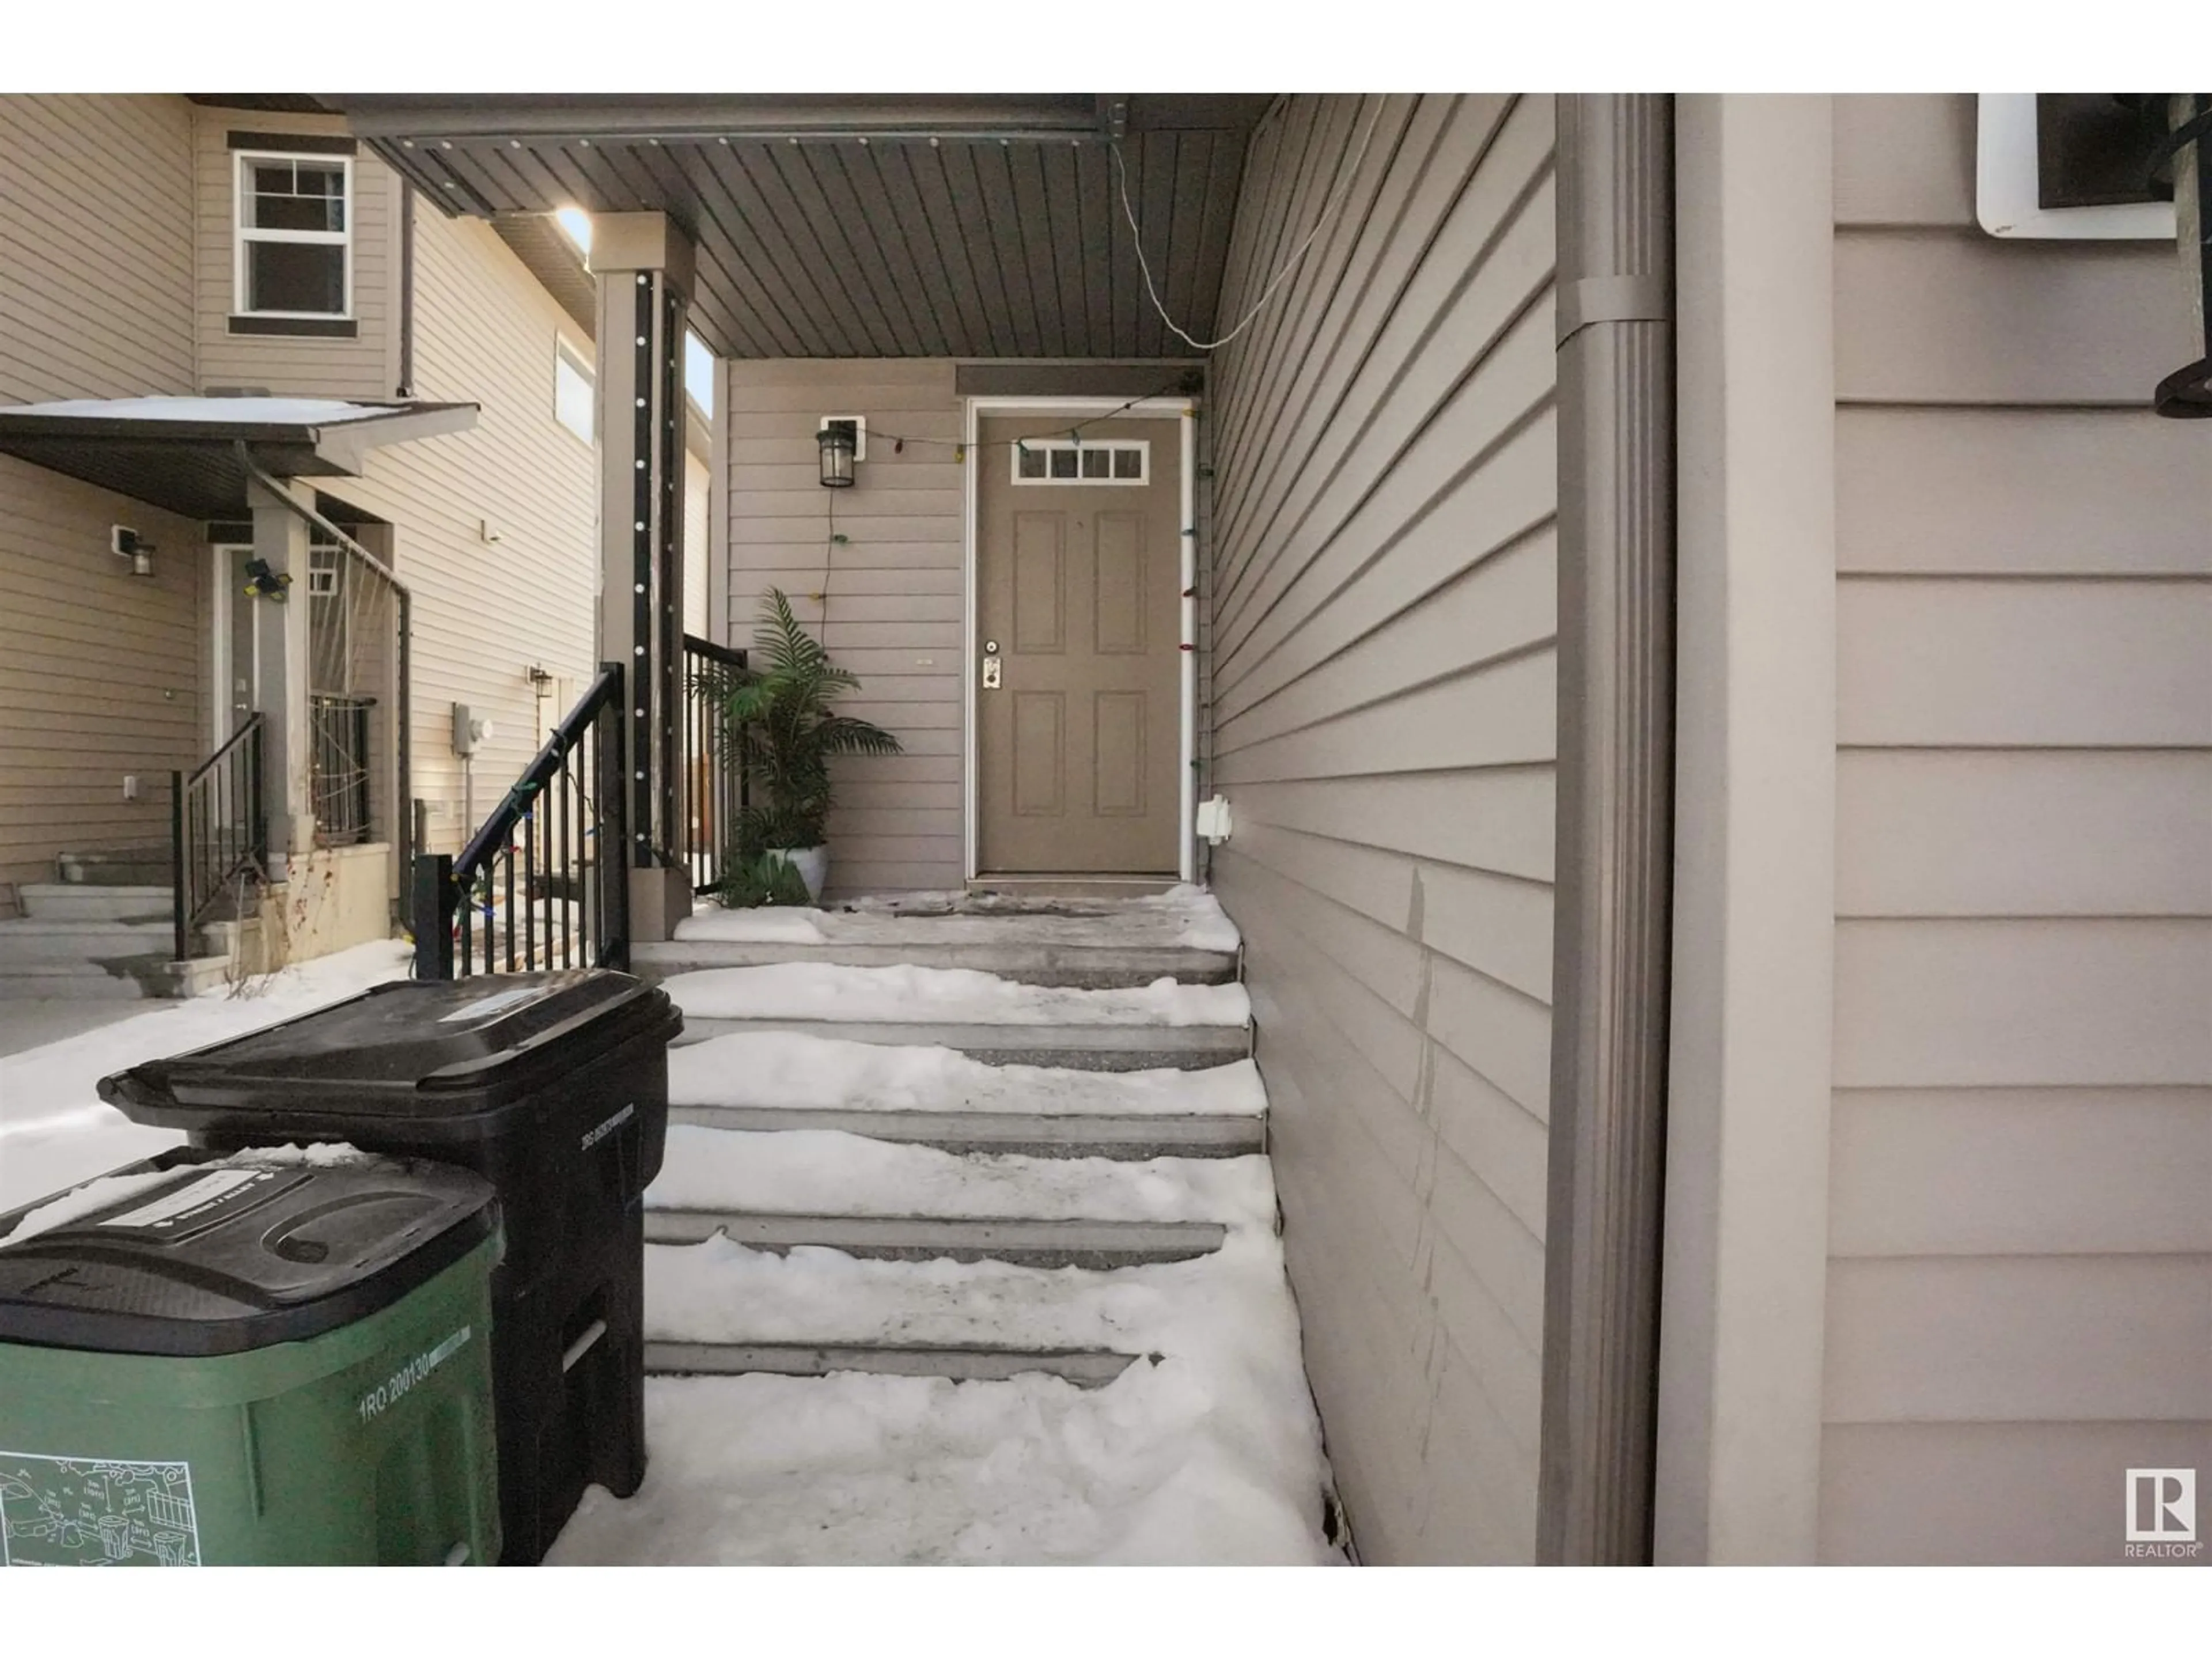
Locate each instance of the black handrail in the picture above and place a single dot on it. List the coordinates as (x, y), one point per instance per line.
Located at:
(715, 791)
(218, 829)
(564, 824)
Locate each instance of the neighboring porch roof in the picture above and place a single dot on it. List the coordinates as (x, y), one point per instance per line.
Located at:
(870, 227)
(181, 453)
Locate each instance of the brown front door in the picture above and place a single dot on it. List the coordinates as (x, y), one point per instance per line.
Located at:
(1078, 557)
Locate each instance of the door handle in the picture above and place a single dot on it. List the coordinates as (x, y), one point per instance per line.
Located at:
(993, 665)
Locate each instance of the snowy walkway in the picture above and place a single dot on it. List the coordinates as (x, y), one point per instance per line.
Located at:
(1181, 1429)
(55, 1130)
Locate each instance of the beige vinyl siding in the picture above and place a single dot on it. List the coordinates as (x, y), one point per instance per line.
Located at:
(1384, 603)
(101, 673)
(887, 600)
(96, 243)
(485, 612)
(2019, 1299)
(292, 365)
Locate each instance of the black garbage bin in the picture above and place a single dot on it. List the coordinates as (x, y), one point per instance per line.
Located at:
(552, 1085)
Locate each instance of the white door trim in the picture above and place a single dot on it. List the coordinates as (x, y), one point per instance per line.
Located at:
(1150, 409)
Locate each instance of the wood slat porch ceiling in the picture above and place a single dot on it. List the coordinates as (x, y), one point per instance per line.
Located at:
(848, 245)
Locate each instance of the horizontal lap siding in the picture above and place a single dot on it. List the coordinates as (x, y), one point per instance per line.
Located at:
(2020, 1303)
(101, 672)
(886, 600)
(485, 612)
(1383, 723)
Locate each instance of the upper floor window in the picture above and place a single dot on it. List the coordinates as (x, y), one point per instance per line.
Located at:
(294, 235)
(573, 385)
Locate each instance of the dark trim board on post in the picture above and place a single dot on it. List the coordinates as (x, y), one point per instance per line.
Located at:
(1612, 928)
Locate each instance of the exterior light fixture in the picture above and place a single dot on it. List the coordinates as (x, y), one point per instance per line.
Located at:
(2187, 392)
(128, 543)
(840, 443)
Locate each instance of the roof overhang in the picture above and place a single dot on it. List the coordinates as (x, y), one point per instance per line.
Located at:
(964, 226)
(184, 454)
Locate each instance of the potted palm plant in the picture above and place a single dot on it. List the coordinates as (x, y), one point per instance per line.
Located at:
(780, 733)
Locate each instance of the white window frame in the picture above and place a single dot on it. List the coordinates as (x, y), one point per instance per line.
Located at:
(323, 557)
(1142, 446)
(242, 234)
(566, 350)
(2006, 199)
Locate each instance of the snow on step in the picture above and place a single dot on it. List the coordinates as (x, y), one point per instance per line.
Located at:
(722, 1292)
(867, 1470)
(1186, 918)
(786, 1069)
(951, 996)
(818, 1173)
(1205, 1451)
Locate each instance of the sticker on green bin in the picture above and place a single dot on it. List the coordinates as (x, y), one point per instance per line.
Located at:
(91, 1512)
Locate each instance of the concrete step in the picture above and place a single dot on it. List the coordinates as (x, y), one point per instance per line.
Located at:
(55, 901)
(1076, 1048)
(70, 982)
(1033, 1134)
(1079, 966)
(1086, 1368)
(41, 939)
(1031, 1243)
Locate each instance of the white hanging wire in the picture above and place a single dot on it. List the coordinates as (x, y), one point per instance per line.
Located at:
(1329, 212)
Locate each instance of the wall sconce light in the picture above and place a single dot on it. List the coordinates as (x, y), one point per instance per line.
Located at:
(128, 543)
(2187, 392)
(842, 440)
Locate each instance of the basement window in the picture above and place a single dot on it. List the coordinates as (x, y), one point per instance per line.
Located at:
(294, 241)
(1077, 461)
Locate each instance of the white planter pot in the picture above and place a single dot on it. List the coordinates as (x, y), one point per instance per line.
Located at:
(813, 864)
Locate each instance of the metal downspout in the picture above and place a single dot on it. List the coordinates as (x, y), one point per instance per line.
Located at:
(1612, 931)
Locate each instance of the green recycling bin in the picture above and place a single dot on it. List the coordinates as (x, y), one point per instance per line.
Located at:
(271, 1358)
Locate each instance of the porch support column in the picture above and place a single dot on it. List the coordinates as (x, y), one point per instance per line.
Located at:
(281, 636)
(643, 263)
(1744, 1271)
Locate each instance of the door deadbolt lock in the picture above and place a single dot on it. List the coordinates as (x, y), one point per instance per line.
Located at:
(991, 673)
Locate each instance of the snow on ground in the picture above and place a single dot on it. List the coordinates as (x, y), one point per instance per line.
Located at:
(821, 1172)
(1186, 917)
(820, 990)
(792, 1070)
(54, 1129)
(1209, 1454)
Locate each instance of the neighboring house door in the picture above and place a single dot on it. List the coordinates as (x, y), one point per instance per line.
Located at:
(1078, 559)
(238, 651)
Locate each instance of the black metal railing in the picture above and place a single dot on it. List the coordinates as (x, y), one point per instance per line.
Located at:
(714, 792)
(544, 883)
(218, 829)
(341, 769)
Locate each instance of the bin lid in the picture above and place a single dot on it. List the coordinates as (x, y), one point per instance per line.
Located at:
(412, 1048)
(242, 1253)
